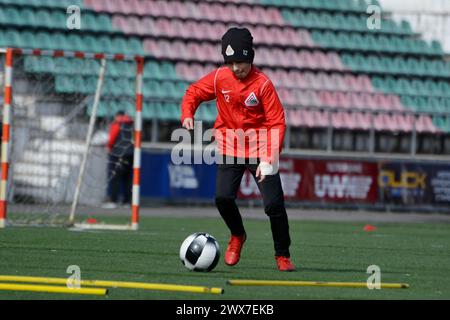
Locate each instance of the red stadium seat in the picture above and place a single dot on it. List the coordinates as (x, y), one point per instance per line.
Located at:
(247, 14)
(167, 9)
(402, 122)
(329, 81)
(327, 99)
(380, 123)
(177, 50)
(363, 120)
(297, 79)
(291, 55)
(261, 15)
(260, 35)
(381, 101)
(305, 38)
(316, 80)
(395, 102)
(343, 100)
(120, 22)
(128, 7)
(305, 118)
(336, 120)
(220, 12)
(292, 118)
(275, 17)
(96, 5)
(356, 101)
(334, 61)
(279, 58)
(369, 101)
(205, 11)
(321, 119)
(153, 47)
(366, 84)
(286, 96)
(425, 124)
(153, 8)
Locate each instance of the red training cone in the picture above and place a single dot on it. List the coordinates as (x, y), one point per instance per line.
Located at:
(369, 227)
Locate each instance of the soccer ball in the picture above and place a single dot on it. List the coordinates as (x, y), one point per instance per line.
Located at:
(200, 252)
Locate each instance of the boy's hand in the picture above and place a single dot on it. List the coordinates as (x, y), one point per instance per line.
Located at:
(188, 123)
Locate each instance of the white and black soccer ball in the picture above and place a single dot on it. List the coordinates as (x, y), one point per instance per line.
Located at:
(200, 252)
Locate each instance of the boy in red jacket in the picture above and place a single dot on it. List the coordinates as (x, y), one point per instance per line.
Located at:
(249, 131)
(120, 162)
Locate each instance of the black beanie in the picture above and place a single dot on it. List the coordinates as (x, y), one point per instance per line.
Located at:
(237, 45)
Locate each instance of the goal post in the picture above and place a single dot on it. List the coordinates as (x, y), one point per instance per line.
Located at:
(57, 108)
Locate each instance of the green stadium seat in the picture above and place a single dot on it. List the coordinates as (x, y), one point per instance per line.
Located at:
(446, 104)
(181, 88)
(9, 38)
(104, 22)
(75, 42)
(387, 65)
(378, 83)
(167, 90)
(207, 113)
(92, 67)
(45, 18)
(303, 3)
(349, 61)
(28, 40)
(58, 20)
(126, 86)
(373, 63)
(60, 42)
(436, 47)
(149, 111)
(436, 104)
(410, 102)
(44, 39)
(405, 27)
(89, 22)
(63, 84)
(304, 19)
(442, 122)
(103, 44)
(135, 47)
(152, 70)
(431, 87)
(404, 86)
(28, 17)
(91, 44)
(12, 16)
(168, 111)
(115, 69)
(411, 66)
(444, 88)
(151, 89)
(168, 71)
(398, 44)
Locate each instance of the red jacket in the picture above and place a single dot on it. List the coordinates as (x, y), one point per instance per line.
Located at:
(114, 129)
(251, 104)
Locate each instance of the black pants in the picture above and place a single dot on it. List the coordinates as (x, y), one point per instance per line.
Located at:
(120, 175)
(228, 180)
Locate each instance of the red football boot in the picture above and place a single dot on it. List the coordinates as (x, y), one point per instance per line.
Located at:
(234, 248)
(284, 263)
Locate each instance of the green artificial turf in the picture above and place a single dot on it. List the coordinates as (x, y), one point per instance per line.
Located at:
(418, 254)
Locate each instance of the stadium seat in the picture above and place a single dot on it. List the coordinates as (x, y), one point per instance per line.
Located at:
(363, 121)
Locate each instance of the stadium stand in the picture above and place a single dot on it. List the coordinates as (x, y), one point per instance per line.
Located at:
(329, 68)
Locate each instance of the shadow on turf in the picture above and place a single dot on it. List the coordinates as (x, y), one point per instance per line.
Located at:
(329, 270)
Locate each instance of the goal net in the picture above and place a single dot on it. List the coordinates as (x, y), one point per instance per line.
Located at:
(60, 162)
